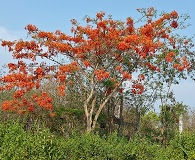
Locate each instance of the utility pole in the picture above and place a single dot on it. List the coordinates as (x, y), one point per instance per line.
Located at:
(181, 123)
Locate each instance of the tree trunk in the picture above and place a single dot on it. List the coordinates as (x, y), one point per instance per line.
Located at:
(89, 123)
(121, 123)
(89, 115)
(111, 109)
(101, 106)
(137, 124)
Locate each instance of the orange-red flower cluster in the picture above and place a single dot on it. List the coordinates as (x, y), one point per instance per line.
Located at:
(62, 77)
(43, 34)
(170, 57)
(137, 88)
(31, 28)
(65, 68)
(126, 75)
(122, 46)
(6, 105)
(133, 39)
(100, 15)
(19, 93)
(72, 67)
(101, 74)
(39, 72)
(86, 63)
(61, 90)
(31, 108)
(12, 66)
(174, 24)
(152, 67)
(129, 21)
(174, 15)
(44, 101)
(22, 106)
(185, 64)
(21, 80)
(118, 68)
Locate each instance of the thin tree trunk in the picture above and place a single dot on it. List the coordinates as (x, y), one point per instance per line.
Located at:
(137, 120)
(121, 123)
(87, 113)
(111, 114)
(103, 105)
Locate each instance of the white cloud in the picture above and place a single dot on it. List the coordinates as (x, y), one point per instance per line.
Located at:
(6, 34)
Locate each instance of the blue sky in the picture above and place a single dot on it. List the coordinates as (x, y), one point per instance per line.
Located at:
(52, 15)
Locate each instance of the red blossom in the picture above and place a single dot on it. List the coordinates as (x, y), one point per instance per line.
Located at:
(122, 46)
(174, 14)
(87, 63)
(174, 24)
(31, 28)
(126, 75)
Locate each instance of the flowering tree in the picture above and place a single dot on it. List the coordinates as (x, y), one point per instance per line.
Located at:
(99, 57)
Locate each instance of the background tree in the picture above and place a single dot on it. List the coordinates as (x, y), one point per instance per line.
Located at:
(169, 119)
(150, 126)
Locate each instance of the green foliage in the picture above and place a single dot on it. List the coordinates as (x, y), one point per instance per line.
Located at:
(92, 146)
(17, 144)
(185, 144)
(70, 111)
(149, 126)
(12, 141)
(169, 118)
(108, 83)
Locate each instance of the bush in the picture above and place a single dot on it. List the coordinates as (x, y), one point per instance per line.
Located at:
(92, 147)
(12, 141)
(16, 144)
(41, 144)
(185, 145)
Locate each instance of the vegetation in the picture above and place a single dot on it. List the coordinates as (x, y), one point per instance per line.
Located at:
(99, 86)
(40, 143)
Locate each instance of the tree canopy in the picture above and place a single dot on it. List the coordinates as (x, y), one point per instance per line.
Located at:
(98, 57)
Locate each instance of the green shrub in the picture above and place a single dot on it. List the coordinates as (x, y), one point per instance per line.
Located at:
(13, 141)
(16, 144)
(185, 144)
(41, 144)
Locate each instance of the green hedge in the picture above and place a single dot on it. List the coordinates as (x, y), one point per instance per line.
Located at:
(17, 144)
